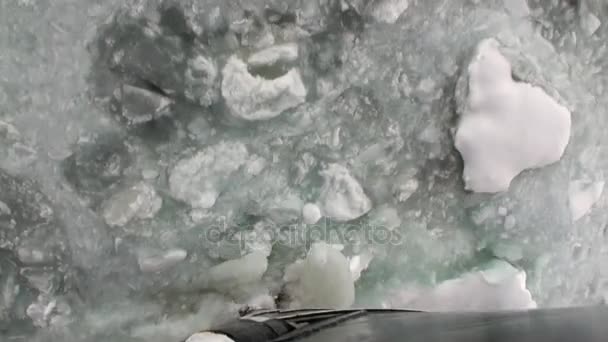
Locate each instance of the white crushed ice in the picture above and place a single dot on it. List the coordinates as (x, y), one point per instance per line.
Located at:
(285, 53)
(311, 213)
(508, 126)
(198, 180)
(582, 196)
(254, 98)
(498, 287)
(388, 11)
(161, 261)
(342, 198)
(322, 280)
(140, 200)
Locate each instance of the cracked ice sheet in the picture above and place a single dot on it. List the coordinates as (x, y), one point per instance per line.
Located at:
(507, 126)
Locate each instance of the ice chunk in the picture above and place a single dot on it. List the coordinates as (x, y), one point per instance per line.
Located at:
(140, 105)
(140, 200)
(48, 311)
(311, 213)
(8, 131)
(507, 126)
(44, 280)
(359, 263)
(582, 196)
(517, 8)
(254, 98)
(201, 78)
(209, 337)
(245, 270)
(342, 197)
(499, 287)
(285, 53)
(590, 23)
(95, 167)
(198, 180)
(322, 280)
(388, 11)
(161, 262)
(33, 256)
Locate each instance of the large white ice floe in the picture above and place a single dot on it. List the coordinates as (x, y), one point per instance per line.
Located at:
(140, 200)
(342, 197)
(500, 286)
(582, 196)
(507, 126)
(255, 98)
(198, 180)
(322, 280)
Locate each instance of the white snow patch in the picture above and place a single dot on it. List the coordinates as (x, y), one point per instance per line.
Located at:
(198, 180)
(388, 11)
(508, 126)
(582, 196)
(279, 53)
(342, 197)
(140, 200)
(254, 98)
(322, 280)
(311, 213)
(499, 287)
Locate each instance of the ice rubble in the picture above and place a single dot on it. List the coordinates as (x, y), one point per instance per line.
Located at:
(254, 98)
(378, 104)
(322, 280)
(508, 126)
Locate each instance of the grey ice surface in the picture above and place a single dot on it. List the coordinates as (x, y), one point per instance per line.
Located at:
(164, 162)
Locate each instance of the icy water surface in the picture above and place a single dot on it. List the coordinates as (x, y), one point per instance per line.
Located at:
(164, 164)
